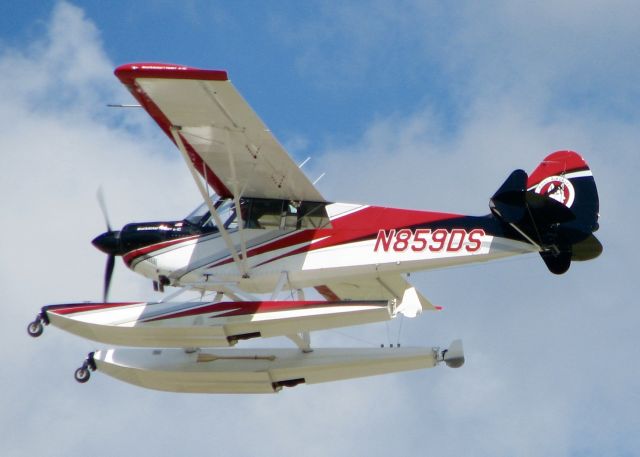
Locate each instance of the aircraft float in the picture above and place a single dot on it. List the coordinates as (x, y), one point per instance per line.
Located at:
(268, 231)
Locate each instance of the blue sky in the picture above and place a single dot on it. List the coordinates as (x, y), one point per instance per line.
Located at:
(261, 41)
(326, 72)
(408, 104)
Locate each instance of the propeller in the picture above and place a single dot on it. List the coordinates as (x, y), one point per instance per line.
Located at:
(103, 207)
(108, 274)
(109, 243)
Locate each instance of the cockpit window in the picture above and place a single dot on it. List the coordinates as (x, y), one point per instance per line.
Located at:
(201, 216)
(227, 212)
(263, 213)
(283, 214)
(198, 214)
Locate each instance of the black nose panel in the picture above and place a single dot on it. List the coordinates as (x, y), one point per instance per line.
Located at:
(109, 243)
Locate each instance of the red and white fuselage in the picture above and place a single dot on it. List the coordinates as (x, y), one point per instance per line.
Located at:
(360, 240)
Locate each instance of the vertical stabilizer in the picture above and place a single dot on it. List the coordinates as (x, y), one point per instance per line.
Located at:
(556, 207)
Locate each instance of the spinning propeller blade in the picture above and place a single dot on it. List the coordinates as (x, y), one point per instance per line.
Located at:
(109, 243)
(108, 273)
(103, 207)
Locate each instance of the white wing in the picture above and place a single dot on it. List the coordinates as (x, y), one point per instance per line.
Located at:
(226, 141)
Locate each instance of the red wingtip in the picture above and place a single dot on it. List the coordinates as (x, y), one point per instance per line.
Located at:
(130, 71)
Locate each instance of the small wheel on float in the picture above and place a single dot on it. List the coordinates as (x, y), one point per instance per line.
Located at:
(82, 374)
(35, 328)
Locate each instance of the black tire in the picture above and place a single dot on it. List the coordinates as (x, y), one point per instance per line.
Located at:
(82, 375)
(35, 329)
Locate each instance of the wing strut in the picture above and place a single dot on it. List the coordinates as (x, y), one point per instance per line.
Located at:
(284, 277)
(177, 293)
(214, 213)
(236, 198)
(302, 340)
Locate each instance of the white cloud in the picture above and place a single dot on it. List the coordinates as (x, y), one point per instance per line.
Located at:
(58, 150)
(544, 353)
(550, 360)
(59, 143)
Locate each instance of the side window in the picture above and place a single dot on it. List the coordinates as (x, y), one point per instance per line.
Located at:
(290, 217)
(265, 214)
(313, 215)
(283, 215)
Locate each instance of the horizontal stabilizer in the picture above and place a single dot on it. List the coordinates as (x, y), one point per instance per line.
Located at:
(513, 204)
(546, 211)
(508, 202)
(587, 249)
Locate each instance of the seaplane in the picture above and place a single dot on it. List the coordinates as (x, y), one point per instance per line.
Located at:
(263, 230)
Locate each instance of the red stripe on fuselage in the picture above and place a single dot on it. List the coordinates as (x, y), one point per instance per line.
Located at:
(129, 257)
(357, 226)
(364, 225)
(291, 239)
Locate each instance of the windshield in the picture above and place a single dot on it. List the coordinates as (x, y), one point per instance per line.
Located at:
(197, 214)
(202, 217)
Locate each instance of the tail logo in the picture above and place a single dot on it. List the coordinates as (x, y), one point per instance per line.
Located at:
(559, 188)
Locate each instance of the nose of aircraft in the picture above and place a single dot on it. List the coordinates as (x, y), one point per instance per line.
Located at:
(108, 242)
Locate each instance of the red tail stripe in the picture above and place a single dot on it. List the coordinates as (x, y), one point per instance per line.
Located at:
(557, 163)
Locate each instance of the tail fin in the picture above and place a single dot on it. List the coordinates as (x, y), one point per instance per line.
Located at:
(555, 208)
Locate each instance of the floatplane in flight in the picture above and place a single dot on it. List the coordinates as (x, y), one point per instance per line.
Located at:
(269, 231)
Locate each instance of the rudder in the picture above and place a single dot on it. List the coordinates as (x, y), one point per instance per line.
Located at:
(556, 207)
(566, 177)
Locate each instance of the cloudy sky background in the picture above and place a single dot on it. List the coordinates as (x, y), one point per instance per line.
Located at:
(407, 104)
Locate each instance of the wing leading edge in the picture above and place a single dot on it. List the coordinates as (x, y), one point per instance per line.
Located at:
(225, 139)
